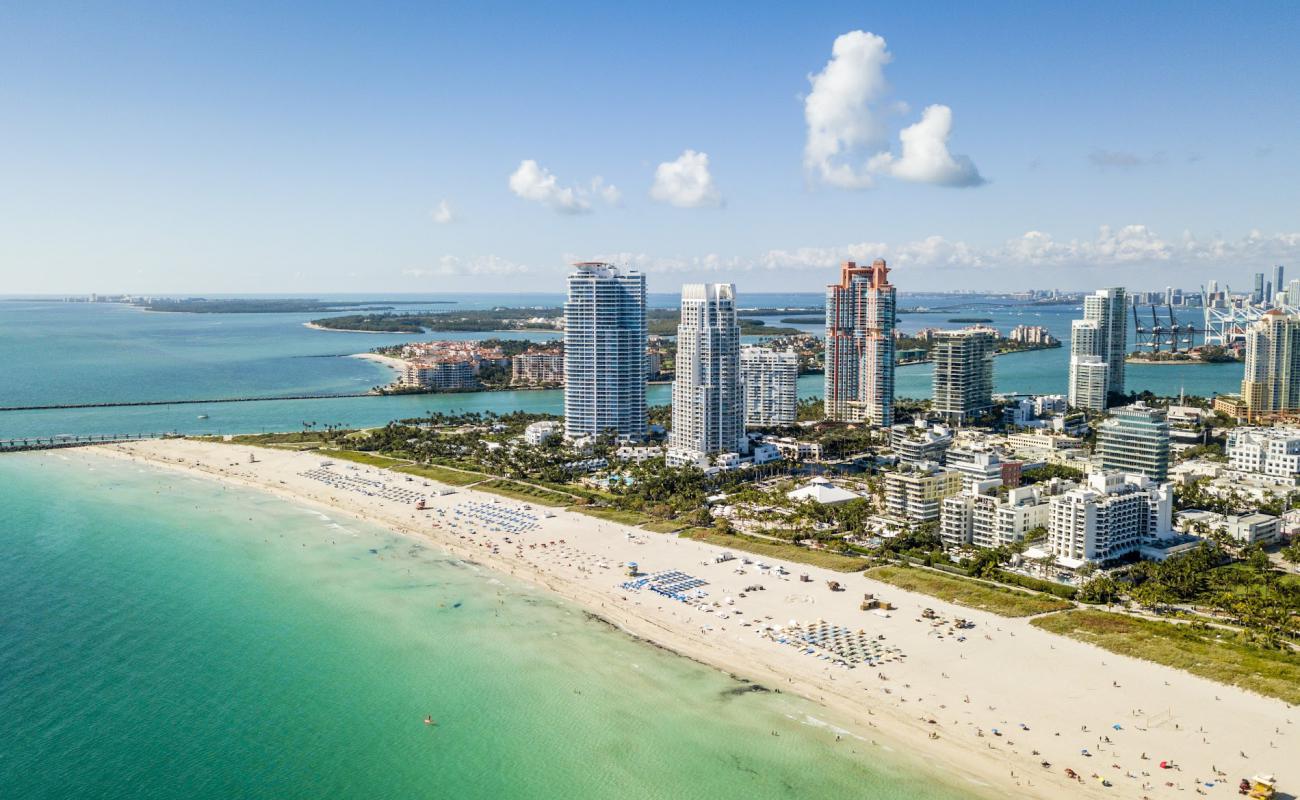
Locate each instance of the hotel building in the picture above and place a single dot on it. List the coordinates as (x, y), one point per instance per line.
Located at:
(1111, 517)
(1135, 439)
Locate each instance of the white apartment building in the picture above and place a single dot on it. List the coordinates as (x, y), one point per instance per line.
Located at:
(972, 518)
(708, 404)
(920, 441)
(770, 381)
(1089, 370)
(1109, 518)
(975, 463)
(539, 433)
(795, 450)
(537, 368)
(604, 353)
(638, 453)
(440, 375)
(1274, 452)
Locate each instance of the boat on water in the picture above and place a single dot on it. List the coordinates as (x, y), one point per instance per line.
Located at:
(203, 416)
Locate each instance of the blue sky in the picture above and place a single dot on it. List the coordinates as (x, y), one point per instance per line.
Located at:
(273, 147)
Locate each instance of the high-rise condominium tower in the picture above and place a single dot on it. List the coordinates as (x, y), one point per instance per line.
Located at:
(708, 402)
(963, 373)
(1101, 336)
(860, 345)
(770, 378)
(604, 352)
(1271, 383)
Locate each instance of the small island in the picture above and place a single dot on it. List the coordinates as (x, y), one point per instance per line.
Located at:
(659, 322)
(278, 305)
(1206, 354)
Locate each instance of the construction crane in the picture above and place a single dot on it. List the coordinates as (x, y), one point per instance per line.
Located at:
(1164, 333)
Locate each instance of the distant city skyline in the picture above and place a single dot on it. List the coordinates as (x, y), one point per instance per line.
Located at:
(189, 150)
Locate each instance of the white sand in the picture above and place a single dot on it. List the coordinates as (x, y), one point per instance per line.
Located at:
(396, 364)
(1004, 674)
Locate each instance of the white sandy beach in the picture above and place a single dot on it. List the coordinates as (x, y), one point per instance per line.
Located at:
(1049, 697)
(396, 364)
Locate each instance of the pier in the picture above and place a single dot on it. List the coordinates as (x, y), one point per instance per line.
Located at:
(57, 442)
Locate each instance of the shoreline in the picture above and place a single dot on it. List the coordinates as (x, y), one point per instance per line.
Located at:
(1029, 676)
(1191, 362)
(397, 365)
(316, 327)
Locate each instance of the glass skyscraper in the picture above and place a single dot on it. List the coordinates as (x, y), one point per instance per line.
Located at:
(604, 352)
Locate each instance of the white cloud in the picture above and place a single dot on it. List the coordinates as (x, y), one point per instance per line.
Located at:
(925, 157)
(606, 191)
(449, 266)
(532, 181)
(442, 214)
(1127, 247)
(838, 110)
(847, 141)
(686, 182)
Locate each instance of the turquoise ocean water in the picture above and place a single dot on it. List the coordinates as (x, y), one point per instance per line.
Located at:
(163, 636)
(168, 637)
(53, 352)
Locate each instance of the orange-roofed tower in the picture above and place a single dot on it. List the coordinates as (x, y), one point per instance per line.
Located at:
(860, 345)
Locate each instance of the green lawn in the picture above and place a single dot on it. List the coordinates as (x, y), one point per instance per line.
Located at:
(447, 475)
(361, 457)
(967, 592)
(614, 515)
(787, 552)
(525, 492)
(1275, 673)
(666, 525)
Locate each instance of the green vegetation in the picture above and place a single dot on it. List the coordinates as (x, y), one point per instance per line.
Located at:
(447, 475)
(484, 320)
(1049, 471)
(508, 347)
(659, 321)
(370, 459)
(1210, 653)
(666, 526)
(968, 592)
(788, 552)
(525, 492)
(613, 515)
(772, 312)
(970, 320)
(1252, 594)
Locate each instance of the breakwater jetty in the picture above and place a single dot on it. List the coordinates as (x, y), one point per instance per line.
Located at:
(127, 403)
